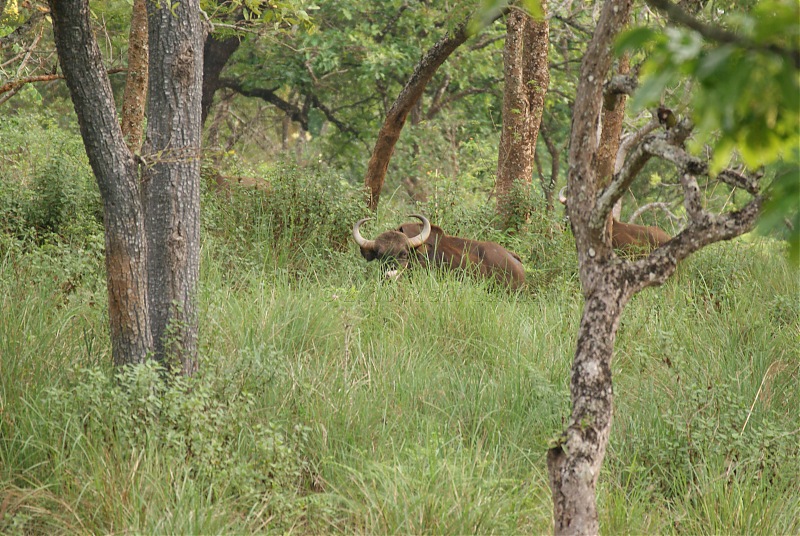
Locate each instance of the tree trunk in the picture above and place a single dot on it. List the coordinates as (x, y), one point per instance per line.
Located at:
(171, 185)
(515, 155)
(135, 96)
(549, 184)
(396, 117)
(610, 137)
(574, 464)
(216, 53)
(613, 118)
(527, 77)
(116, 173)
(607, 281)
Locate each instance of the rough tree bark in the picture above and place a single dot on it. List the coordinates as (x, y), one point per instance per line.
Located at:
(135, 96)
(171, 179)
(611, 135)
(609, 282)
(527, 77)
(116, 172)
(152, 236)
(396, 117)
(613, 118)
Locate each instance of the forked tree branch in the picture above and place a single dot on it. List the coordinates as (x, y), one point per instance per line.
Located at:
(703, 227)
(707, 229)
(660, 143)
(297, 114)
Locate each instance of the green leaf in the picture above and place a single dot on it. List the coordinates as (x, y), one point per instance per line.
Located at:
(533, 8)
(650, 90)
(315, 121)
(634, 39)
(684, 45)
(714, 62)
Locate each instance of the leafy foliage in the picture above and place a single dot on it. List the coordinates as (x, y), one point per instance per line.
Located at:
(745, 95)
(711, 427)
(59, 195)
(188, 427)
(743, 98)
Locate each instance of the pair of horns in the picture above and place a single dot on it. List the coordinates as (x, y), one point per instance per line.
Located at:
(413, 242)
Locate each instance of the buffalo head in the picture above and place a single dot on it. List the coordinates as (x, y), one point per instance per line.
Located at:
(392, 247)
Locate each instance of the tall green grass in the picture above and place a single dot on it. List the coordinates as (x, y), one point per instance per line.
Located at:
(332, 401)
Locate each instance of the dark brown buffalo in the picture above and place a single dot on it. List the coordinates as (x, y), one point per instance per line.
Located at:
(629, 236)
(429, 245)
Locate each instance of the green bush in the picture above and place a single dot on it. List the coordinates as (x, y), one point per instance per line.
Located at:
(192, 428)
(65, 196)
(46, 184)
(712, 424)
(299, 222)
(308, 209)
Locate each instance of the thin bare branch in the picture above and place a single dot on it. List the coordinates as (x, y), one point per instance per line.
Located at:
(631, 140)
(14, 84)
(651, 206)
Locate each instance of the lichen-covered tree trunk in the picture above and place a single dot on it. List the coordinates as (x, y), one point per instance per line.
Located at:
(135, 95)
(526, 79)
(116, 173)
(574, 464)
(171, 180)
(607, 281)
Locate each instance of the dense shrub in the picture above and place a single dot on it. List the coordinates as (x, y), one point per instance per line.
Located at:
(192, 428)
(300, 220)
(46, 184)
(714, 425)
(317, 209)
(65, 197)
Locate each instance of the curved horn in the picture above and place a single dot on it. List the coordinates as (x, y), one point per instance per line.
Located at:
(360, 240)
(420, 239)
(562, 198)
